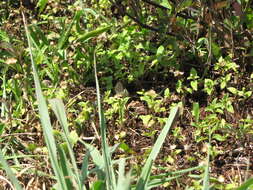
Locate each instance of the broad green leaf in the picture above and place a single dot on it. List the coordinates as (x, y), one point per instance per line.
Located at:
(209, 86)
(216, 50)
(160, 50)
(232, 90)
(230, 108)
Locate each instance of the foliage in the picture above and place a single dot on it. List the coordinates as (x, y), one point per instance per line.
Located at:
(150, 56)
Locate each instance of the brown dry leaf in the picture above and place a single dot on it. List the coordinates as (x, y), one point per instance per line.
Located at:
(220, 5)
(151, 93)
(11, 61)
(138, 107)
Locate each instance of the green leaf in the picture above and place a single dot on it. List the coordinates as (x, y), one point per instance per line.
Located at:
(196, 111)
(124, 181)
(110, 176)
(166, 4)
(98, 185)
(209, 86)
(160, 50)
(4, 36)
(64, 164)
(194, 85)
(216, 50)
(219, 137)
(167, 93)
(246, 185)
(223, 84)
(232, 90)
(42, 4)
(70, 138)
(230, 108)
(248, 94)
(183, 5)
(93, 33)
(9, 172)
(193, 74)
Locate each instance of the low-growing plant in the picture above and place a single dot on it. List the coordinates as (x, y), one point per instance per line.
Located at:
(153, 100)
(118, 106)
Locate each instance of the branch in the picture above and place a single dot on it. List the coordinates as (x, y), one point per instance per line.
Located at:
(177, 14)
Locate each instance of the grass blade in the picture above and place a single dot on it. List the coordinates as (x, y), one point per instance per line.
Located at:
(9, 172)
(110, 177)
(124, 181)
(158, 182)
(206, 174)
(64, 36)
(44, 117)
(85, 164)
(143, 180)
(64, 164)
(246, 185)
(59, 110)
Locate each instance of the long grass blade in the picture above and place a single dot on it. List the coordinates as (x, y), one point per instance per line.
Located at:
(143, 180)
(64, 164)
(124, 181)
(59, 110)
(158, 182)
(65, 35)
(44, 117)
(9, 172)
(206, 174)
(110, 177)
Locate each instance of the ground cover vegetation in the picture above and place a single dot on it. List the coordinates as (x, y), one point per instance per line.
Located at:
(126, 94)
